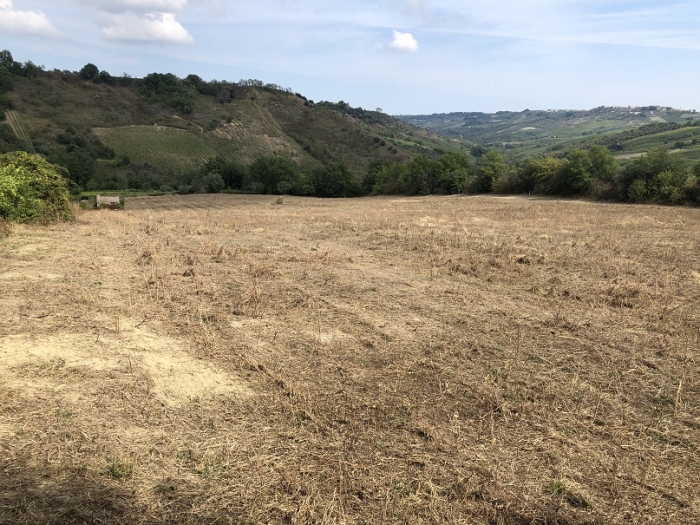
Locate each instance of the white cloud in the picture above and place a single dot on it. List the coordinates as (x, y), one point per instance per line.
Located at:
(403, 42)
(25, 22)
(153, 27)
(162, 6)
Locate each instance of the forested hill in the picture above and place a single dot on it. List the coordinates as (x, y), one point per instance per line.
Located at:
(527, 133)
(188, 134)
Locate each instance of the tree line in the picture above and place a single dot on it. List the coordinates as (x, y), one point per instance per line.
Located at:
(656, 177)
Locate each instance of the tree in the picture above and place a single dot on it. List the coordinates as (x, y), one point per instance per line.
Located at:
(334, 180)
(659, 170)
(455, 170)
(89, 72)
(420, 176)
(546, 171)
(6, 82)
(232, 173)
(603, 164)
(574, 177)
(493, 166)
(169, 90)
(274, 175)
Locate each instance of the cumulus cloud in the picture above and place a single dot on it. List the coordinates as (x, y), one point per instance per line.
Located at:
(403, 42)
(15, 22)
(152, 27)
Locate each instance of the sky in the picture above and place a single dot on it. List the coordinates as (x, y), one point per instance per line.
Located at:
(404, 56)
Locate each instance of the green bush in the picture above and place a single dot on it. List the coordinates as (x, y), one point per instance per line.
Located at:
(32, 188)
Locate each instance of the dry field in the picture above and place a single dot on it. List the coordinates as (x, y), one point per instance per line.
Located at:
(476, 360)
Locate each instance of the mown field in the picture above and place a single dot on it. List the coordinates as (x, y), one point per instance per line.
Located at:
(223, 359)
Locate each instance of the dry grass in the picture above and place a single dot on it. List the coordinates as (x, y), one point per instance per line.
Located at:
(430, 360)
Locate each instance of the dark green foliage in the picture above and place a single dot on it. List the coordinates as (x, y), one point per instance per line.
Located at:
(451, 173)
(574, 176)
(8, 139)
(31, 70)
(78, 153)
(89, 72)
(6, 60)
(455, 171)
(32, 189)
(334, 180)
(370, 117)
(491, 167)
(274, 175)
(478, 151)
(233, 174)
(169, 90)
(6, 82)
(78, 162)
(658, 176)
(106, 77)
(603, 164)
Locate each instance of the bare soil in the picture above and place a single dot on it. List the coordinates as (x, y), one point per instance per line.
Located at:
(222, 359)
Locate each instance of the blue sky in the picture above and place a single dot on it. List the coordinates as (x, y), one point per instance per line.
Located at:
(405, 56)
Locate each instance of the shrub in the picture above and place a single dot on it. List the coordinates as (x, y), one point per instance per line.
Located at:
(32, 188)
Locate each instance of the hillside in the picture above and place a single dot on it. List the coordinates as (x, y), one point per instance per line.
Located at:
(155, 132)
(529, 132)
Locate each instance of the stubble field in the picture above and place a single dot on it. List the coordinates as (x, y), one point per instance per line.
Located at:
(222, 359)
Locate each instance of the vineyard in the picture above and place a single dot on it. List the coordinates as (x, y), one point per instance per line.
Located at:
(252, 133)
(248, 133)
(163, 147)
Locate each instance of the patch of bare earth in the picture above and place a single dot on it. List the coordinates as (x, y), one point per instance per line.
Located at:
(220, 359)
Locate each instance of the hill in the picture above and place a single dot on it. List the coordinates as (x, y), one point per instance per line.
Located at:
(157, 131)
(528, 133)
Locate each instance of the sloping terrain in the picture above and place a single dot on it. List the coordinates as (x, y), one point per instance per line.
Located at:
(222, 359)
(74, 121)
(534, 132)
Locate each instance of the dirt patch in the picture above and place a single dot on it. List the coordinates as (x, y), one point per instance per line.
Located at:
(175, 376)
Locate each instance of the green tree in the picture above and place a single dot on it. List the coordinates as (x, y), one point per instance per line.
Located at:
(169, 90)
(574, 177)
(232, 173)
(603, 164)
(491, 167)
(274, 175)
(420, 176)
(383, 176)
(89, 72)
(659, 170)
(546, 171)
(334, 180)
(6, 60)
(454, 171)
(6, 82)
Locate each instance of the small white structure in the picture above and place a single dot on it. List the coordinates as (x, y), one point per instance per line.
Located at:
(106, 201)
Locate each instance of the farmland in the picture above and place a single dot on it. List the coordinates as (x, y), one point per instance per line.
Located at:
(224, 359)
(160, 146)
(532, 133)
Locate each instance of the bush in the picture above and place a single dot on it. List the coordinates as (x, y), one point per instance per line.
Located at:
(31, 188)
